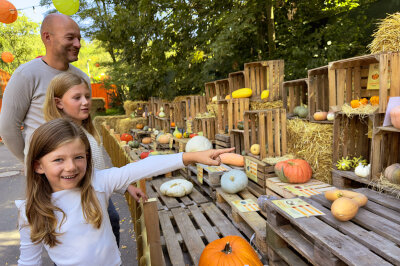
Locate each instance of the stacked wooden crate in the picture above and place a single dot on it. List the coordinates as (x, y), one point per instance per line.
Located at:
(318, 92)
(295, 94)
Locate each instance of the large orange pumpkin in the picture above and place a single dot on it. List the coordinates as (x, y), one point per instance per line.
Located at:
(139, 126)
(395, 116)
(293, 171)
(8, 12)
(229, 251)
(126, 137)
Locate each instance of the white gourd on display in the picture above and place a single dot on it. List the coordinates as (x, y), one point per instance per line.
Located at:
(234, 181)
(176, 188)
(161, 114)
(330, 116)
(362, 171)
(198, 143)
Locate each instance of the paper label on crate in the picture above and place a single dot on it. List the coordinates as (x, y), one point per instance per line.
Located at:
(302, 191)
(373, 77)
(246, 205)
(251, 170)
(171, 142)
(200, 174)
(216, 169)
(297, 208)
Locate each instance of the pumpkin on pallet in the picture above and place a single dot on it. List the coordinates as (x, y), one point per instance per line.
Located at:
(345, 204)
(229, 250)
(293, 171)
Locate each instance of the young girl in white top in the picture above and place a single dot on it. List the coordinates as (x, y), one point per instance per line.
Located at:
(68, 96)
(65, 209)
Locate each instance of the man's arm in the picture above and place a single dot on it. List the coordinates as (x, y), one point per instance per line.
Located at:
(16, 102)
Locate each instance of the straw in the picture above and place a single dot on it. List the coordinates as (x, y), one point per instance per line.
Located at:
(387, 37)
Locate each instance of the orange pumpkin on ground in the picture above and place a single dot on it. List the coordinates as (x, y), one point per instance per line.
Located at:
(139, 126)
(320, 116)
(374, 100)
(229, 251)
(395, 116)
(355, 103)
(126, 137)
(232, 159)
(293, 171)
(146, 140)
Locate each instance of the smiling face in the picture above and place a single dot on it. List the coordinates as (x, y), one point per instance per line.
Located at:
(65, 166)
(75, 103)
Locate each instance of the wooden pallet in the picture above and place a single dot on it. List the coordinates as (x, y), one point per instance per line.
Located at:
(178, 109)
(250, 223)
(310, 188)
(207, 125)
(371, 238)
(258, 171)
(222, 88)
(294, 94)
(186, 232)
(222, 117)
(222, 141)
(194, 105)
(168, 203)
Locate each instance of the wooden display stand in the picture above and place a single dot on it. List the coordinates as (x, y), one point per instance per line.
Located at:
(139, 134)
(258, 172)
(195, 105)
(236, 109)
(207, 126)
(162, 123)
(222, 117)
(318, 92)
(222, 88)
(372, 233)
(348, 79)
(265, 75)
(294, 94)
(209, 88)
(236, 137)
(236, 81)
(177, 113)
(268, 129)
(222, 141)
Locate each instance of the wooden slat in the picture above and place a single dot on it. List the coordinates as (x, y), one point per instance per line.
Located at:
(383, 81)
(224, 225)
(173, 247)
(332, 86)
(277, 134)
(204, 225)
(340, 83)
(382, 199)
(170, 202)
(283, 132)
(262, 136)
(270, 136)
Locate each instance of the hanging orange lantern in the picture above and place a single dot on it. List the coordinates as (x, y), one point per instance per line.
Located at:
(7, 57)
(8, 12)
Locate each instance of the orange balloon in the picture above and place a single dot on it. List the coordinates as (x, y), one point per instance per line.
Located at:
(8, 12)
(7, 57)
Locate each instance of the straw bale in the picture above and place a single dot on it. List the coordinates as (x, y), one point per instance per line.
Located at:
(111, 120)
(262, 105)
(313, 143)
(364, 110)
(387, 36)
(131, 106)
(98, 105)
(124, 125)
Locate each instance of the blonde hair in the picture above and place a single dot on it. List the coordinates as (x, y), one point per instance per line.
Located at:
(39, 208)
(58, 86)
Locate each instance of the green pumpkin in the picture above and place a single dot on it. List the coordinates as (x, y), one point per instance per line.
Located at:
(133, 144)
(302, 111)
(392, 173)
(146, 128)
(296, 110)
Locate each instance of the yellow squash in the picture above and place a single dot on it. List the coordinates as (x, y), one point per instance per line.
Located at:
(242, 93)
(264, 94)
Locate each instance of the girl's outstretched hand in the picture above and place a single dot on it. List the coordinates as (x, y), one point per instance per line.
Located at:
(137, 193)
(208, 157)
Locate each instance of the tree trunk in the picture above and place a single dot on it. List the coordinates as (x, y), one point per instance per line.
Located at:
(271, 27)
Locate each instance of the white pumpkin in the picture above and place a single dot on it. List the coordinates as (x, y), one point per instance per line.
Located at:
(330, 116)
(176, 188)
(234, 181)
(198, 143)
(362, 171)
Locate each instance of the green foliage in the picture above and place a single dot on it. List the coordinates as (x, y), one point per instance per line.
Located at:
(22, 39)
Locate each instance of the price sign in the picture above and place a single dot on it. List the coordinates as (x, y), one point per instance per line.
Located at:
(251, 170)
(200, 174)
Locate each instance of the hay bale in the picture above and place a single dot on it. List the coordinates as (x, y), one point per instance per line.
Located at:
(98, 105)
(131, 106)
(262, 105)
(313, 143)
(387, 37)
(364, 110)
(124, 125)
(110, 120)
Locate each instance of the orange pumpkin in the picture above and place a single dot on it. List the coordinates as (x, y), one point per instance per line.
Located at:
(374, 100)
(126, 137)
(355, 103)
(229, 251)
(172, 124)
(395, 116)
(364, 101)
(319, 116)
(344, 209)
(163, 139)
(146, 140)
(139, 126)
(8, 12)
(232, 159)
(293, 171)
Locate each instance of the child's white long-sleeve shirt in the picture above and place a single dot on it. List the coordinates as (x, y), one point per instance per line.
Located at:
(81, 243)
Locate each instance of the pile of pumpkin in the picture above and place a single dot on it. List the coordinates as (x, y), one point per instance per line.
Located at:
(374, 100)
(345, 204)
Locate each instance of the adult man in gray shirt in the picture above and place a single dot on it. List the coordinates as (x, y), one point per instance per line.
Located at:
(26, 90)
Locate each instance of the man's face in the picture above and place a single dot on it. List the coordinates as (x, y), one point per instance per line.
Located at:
(65, 41)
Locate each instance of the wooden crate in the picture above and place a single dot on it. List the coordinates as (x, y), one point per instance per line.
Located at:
(222, 117)
(207, 126)
(177, 113)
(222, 88)
(318, 91)
(385, 150)
(250, 223)
(236, 137)
(295, 94)
(323, 240)
(258, 172)
(236, 109)
(162, 123)
(210, 91)
(186, 232)
(312, 187)
(180, 144)
(265, 75)
(139, 134)
(194, 105)
(236, 81)
(348, 79)
(267, 128)
(222, 141)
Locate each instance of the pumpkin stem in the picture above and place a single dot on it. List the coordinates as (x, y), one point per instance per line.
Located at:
(227, 249)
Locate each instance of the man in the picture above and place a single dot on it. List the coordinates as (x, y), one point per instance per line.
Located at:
(26, 90)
